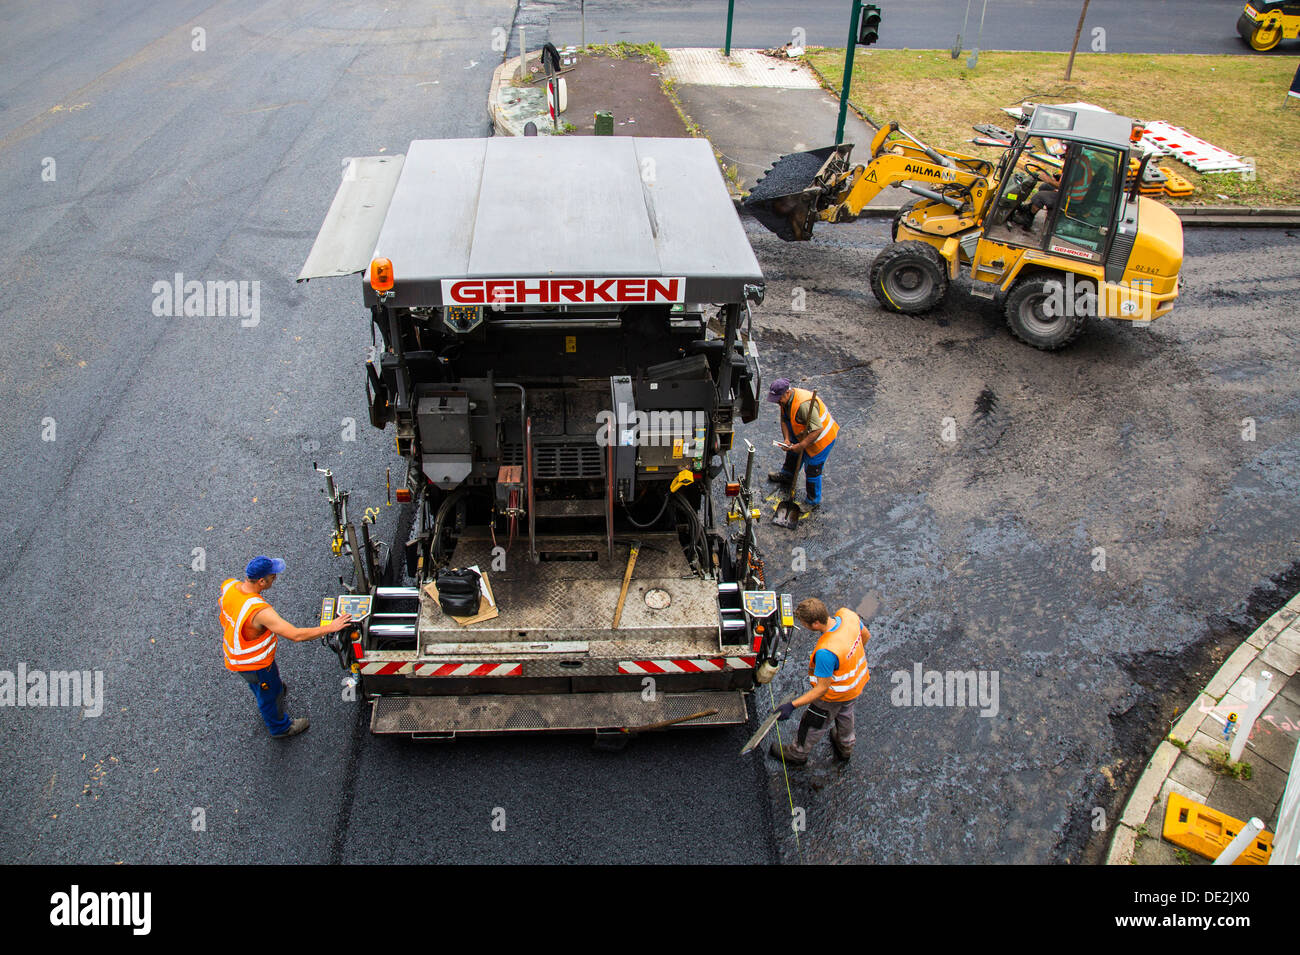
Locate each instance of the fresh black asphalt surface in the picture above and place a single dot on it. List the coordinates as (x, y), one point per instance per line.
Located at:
(176, 433)
(133, 439)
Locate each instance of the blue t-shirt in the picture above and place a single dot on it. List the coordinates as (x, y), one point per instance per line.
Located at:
(825, 663)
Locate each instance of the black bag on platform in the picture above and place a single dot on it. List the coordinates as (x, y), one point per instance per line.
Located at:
(458, 591)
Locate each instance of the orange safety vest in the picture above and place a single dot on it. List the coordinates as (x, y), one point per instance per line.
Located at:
(846, 641)
(790, 421)
(1082, 182)
(242, 649)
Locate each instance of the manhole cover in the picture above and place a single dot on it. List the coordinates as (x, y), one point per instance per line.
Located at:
(657, 599)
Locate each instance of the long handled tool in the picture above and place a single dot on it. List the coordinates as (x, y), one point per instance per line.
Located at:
(765, 727)
(788, 511)
(664, 724)
(627, 579)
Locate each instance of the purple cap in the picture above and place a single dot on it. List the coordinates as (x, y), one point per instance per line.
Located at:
(260, 567)
(778, 389)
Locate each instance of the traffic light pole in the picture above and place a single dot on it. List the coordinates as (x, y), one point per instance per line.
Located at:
(848, 70)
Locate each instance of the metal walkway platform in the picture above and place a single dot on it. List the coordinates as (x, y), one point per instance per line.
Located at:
(571, 595)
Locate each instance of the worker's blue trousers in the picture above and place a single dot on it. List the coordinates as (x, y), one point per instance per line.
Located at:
(812, 470)
(269, 691)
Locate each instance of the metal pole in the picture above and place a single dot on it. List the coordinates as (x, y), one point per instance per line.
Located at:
(1077, 30)
(523, 56)
(1247, 722)
(1239, 845)
(731, 9)
(583, 8)
(973, 60)
(848, 70)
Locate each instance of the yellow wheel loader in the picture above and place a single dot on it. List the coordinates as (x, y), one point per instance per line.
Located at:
(1264, 24)
(1055, 230)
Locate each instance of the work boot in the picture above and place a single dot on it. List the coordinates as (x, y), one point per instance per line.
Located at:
(842, 753)
(811, 503)
(297, 726)
(779, 477)
(783, 751)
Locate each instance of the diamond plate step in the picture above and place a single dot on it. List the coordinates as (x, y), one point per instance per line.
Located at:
(561, 712)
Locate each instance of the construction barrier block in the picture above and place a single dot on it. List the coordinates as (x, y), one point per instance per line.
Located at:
(1207, 831)
(1176, 185)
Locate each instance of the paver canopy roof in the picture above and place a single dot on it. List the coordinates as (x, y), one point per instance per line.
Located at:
(578, 206)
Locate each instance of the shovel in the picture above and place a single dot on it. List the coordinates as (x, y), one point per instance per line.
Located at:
(788, 512)
(766, 726)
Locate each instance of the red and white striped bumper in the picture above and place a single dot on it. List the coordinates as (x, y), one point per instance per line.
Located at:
(712, 665)
(409, 668)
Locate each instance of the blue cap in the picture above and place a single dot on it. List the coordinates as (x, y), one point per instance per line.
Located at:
(778, 390)
(260, 567)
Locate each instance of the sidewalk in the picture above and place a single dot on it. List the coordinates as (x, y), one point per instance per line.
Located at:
(1182, 761)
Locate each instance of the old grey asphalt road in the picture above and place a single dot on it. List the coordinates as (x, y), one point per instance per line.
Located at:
(214, 155)
(1144, 26)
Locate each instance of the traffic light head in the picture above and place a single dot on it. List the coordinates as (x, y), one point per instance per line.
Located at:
(869, 25)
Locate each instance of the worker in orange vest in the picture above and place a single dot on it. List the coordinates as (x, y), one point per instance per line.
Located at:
(837, 672)
(251, 628)
(807, 427)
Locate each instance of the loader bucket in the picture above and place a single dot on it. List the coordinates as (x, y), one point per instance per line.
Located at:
(785, 199)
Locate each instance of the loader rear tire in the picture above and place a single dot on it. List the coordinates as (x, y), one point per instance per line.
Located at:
(1030, 321)
(909, 277)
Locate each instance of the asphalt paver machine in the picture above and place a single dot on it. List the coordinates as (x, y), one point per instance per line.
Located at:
(565, 353)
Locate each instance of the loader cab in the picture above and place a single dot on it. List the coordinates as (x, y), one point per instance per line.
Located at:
(1087, 152)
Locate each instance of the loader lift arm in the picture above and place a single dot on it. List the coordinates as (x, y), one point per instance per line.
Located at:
(802, 188)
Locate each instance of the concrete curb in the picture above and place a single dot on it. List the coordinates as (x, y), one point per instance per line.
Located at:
(1280, 629)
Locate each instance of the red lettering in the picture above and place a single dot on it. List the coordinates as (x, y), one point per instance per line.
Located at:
(467, 293)
(540, 292)
(664, 290)
(500, 291)
(568, 289)
(631, 290)
(599, 291)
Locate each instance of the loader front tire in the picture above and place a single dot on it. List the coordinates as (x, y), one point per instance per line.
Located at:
(909, 277)
(1034, 323)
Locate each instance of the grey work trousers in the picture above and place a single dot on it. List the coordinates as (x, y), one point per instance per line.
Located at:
(838, 721)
